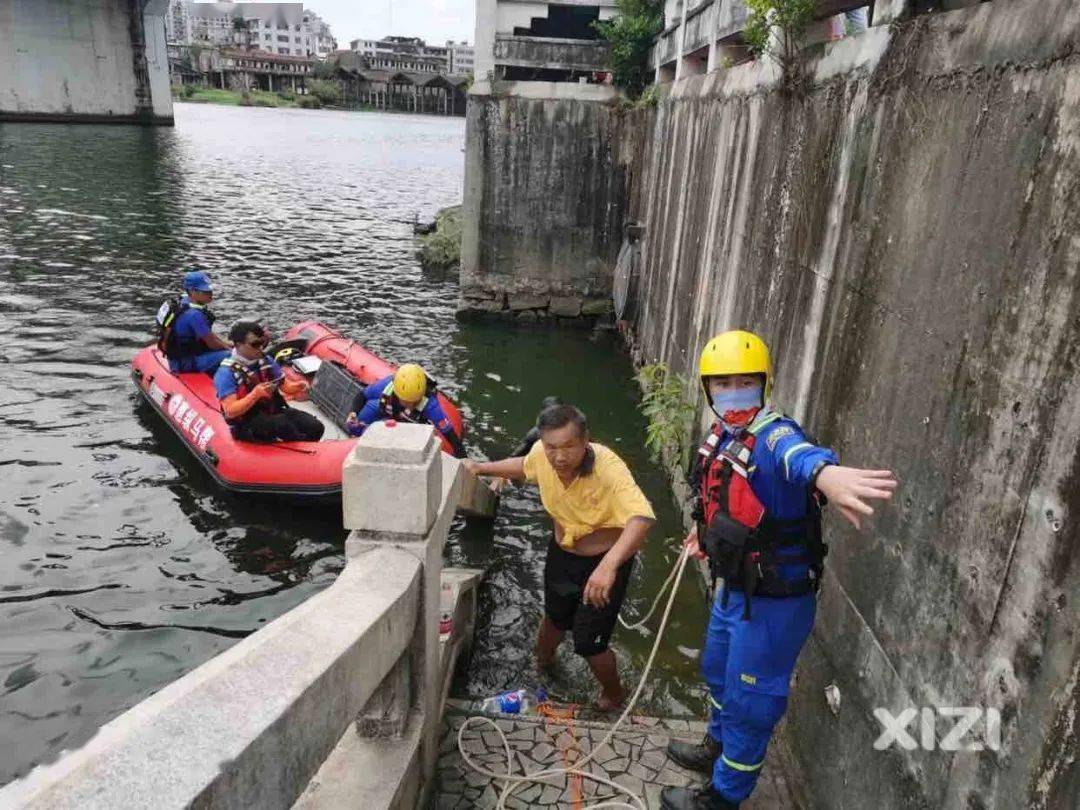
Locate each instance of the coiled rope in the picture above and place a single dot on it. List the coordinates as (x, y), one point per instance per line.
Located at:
(514, 782)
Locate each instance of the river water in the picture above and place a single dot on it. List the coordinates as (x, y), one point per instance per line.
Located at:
(124, 566)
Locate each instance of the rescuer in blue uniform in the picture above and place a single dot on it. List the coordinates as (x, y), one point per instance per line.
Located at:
(252, 390)
(188, 340)
(407, 395)
(759, 484)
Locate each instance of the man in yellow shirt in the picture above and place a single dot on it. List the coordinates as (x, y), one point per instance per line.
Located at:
(601, 518)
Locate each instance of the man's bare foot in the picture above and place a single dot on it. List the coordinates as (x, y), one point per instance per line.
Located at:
(610, 704)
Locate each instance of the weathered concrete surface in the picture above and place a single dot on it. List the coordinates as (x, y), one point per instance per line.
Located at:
(392, 480)
(544, 199)
(362, 774)
(84, 60)
(385, 772)
(635, 758)
(907, 237)
(249, 727)
(394, 446)
(555, 54)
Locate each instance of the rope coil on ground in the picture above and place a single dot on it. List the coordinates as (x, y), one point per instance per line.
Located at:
(514, 782)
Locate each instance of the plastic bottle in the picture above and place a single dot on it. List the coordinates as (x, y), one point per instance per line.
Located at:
(518, 701)
(446, 615)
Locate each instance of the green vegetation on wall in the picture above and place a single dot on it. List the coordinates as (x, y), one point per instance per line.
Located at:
(441, 249)
(631, 34)
(669, 411)
(776, 28)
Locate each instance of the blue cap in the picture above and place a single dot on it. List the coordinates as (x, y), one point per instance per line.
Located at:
(197, 280)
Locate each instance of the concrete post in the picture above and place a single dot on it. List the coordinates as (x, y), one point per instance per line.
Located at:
(398, 489)
(681, 36)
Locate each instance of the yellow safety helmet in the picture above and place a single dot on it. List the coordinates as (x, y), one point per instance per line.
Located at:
(736, 352)
(285, 355)
(410, 383)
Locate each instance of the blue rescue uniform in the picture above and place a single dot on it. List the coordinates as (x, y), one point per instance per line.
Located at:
(225, 378)
(187, 342)
(748, 663)
(380, 403)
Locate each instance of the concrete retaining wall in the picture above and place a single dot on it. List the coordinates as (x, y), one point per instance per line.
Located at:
(84, 60)
(544, 201)
(907, 237)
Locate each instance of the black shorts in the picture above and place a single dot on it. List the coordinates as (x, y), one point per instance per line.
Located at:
(565, 575)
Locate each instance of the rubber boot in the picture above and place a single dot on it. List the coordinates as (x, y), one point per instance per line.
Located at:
(675, 798)
(695, 756)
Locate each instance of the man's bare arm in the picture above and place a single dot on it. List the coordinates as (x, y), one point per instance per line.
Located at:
(513, 468)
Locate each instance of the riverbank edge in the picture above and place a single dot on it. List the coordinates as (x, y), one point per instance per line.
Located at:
(261, 98)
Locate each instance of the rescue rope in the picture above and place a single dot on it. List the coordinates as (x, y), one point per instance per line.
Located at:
(514, 782)
(656, 601)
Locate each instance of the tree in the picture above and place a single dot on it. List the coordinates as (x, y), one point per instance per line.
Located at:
(631, 34)
(776, 28)
(327, 92)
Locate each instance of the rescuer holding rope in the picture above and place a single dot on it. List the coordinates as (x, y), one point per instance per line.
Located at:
(759, 484)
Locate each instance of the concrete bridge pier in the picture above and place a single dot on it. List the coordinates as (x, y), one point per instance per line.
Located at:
(93, 61)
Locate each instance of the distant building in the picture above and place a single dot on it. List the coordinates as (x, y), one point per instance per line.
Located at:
(410, 54)
(282, 29)
(460, 58)
(396, 89)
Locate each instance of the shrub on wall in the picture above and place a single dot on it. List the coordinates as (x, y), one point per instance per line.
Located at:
(669, 412)
(631, 34)
(776, 28)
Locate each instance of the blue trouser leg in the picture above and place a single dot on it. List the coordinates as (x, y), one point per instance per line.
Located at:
(761, 656)
(714, 667)
(208, 363)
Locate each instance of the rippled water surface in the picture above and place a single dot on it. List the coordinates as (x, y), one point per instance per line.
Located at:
(123, 565)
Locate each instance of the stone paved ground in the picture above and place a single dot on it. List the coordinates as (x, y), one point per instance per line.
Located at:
(635, 758)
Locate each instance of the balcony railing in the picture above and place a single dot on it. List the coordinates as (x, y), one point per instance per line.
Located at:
(551, 54)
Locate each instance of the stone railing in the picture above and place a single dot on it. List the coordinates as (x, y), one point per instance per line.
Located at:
(666, 47)
(553, 54)
(699, 25)
(720, 23)
(336, 703)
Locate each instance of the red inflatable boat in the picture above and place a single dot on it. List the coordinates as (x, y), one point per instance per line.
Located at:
(337, 368)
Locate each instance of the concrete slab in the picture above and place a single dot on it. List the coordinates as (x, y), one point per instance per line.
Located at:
(363, 773)
(479, 498)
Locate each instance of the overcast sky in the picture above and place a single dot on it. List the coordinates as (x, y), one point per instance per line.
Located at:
(434, 20)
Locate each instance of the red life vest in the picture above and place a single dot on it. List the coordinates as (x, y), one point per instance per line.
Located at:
(745, 545)
(725, 486)
(390, 407)
(247, 378)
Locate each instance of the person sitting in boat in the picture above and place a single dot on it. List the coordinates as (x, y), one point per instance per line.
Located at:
(407, 395)
(253, 389)
(187, 336)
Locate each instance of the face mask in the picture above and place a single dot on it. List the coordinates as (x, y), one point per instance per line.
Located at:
(737, 406)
